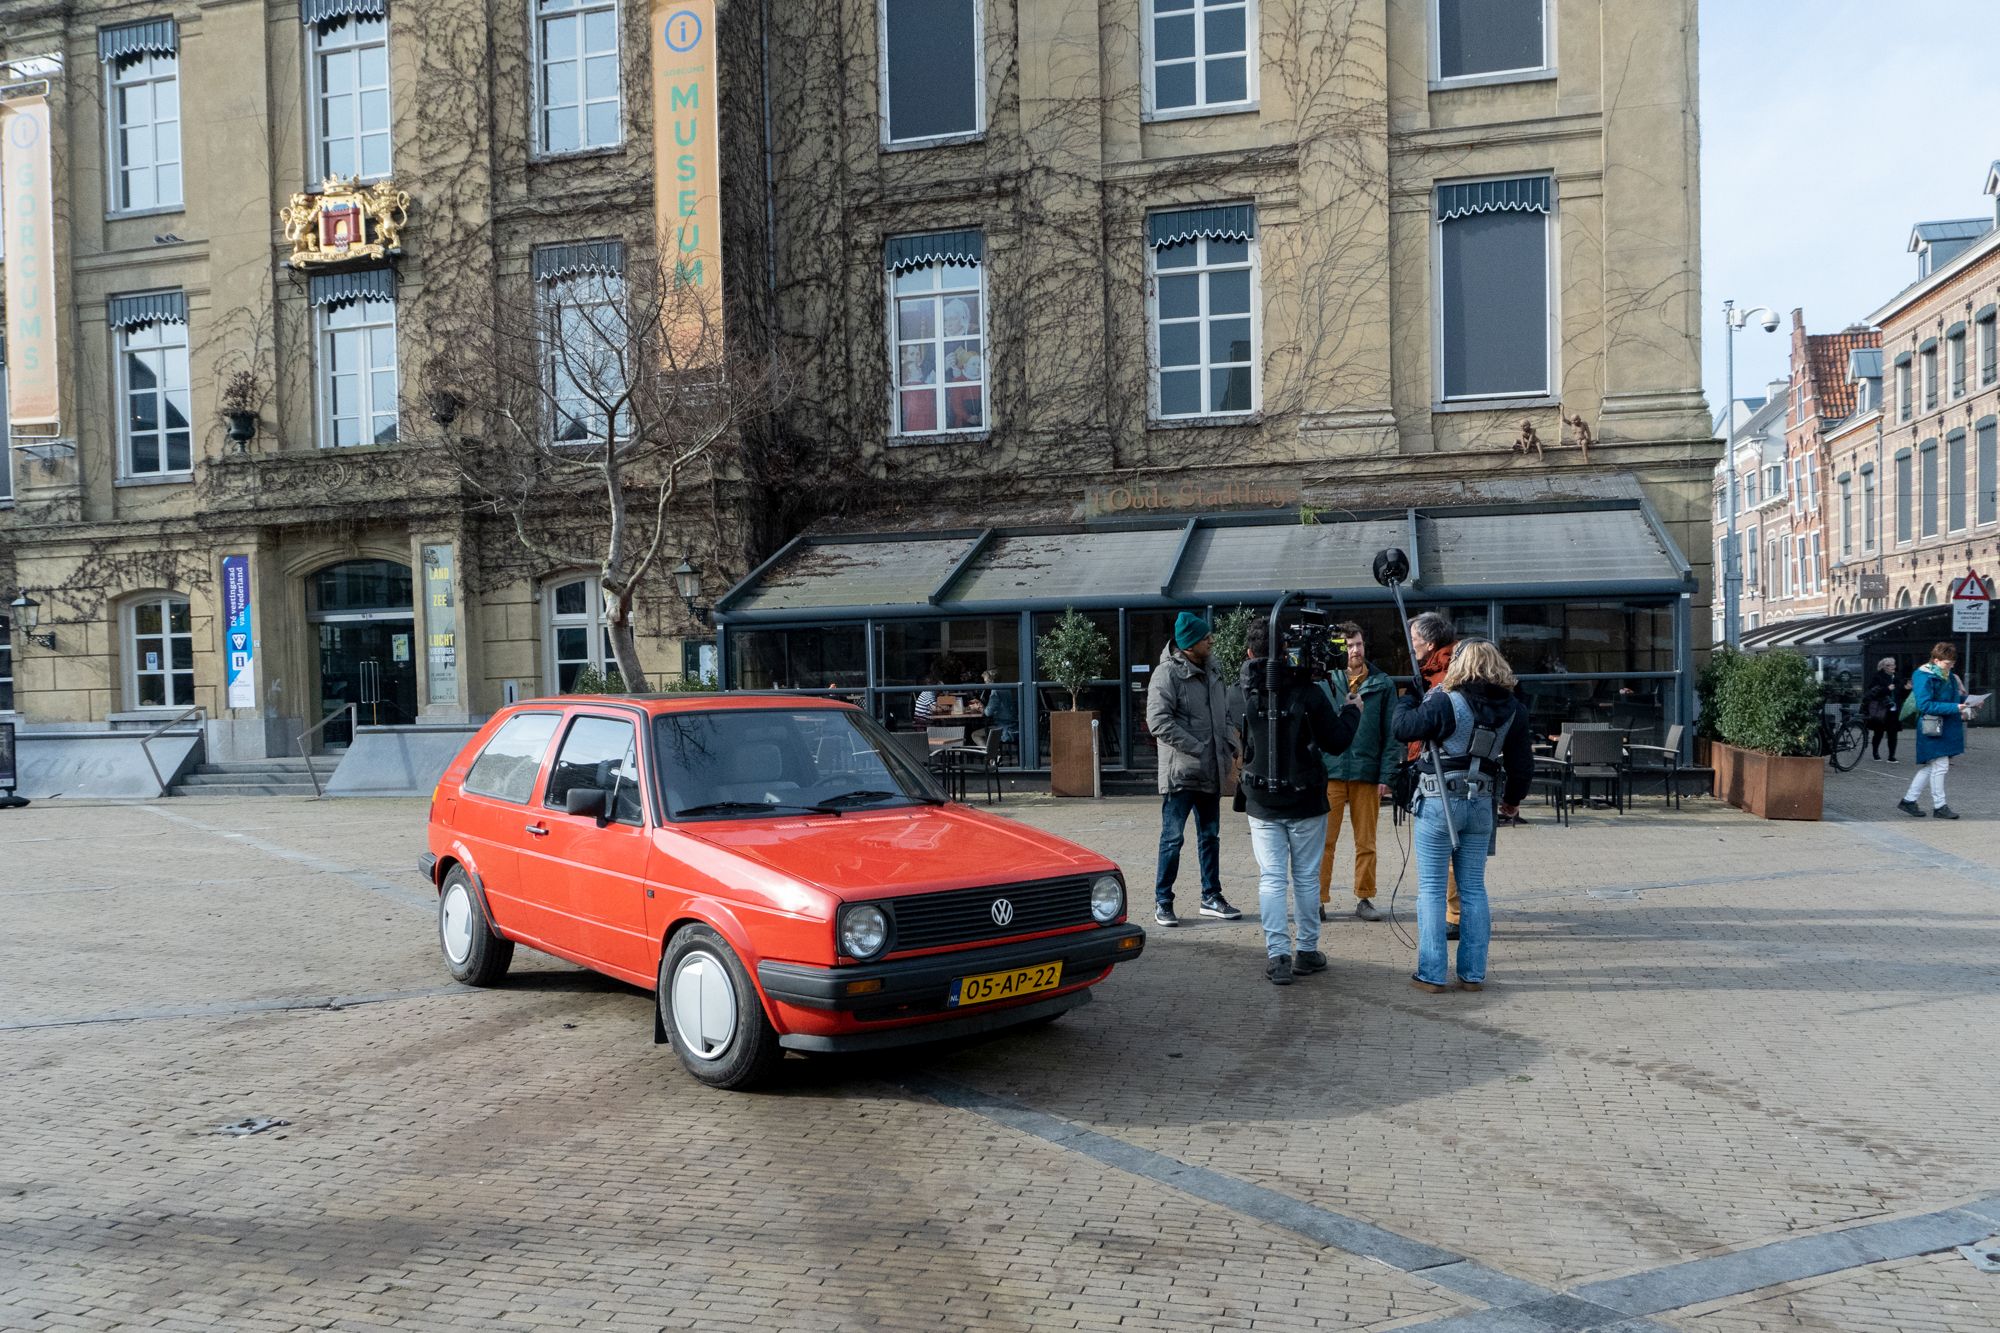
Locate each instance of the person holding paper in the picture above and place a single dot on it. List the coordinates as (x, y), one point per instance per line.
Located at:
(1941, 708)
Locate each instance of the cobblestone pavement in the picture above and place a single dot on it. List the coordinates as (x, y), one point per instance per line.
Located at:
(1729, 1077)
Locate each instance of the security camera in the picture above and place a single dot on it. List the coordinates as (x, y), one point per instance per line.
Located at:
(1770, 323)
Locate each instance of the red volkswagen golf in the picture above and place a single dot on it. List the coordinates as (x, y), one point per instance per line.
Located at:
(776, 870)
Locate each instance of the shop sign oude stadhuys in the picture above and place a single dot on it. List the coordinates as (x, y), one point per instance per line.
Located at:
(1188, 496)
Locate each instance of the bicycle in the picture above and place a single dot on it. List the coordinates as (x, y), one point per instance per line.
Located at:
(1842, 738)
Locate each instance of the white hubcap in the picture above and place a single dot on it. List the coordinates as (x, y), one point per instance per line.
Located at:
(455, 923)
(704, 1005)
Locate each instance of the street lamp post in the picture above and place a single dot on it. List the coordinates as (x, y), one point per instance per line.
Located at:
(1732, 558)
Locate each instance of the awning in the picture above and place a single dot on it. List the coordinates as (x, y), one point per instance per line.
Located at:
(1223, 222)
(154, 37)
(136, 312)
(339, 289)
(964, 248)
(1816, 634)
(316, 12)
(1614, 549)
(556, 262)
(1527, 194)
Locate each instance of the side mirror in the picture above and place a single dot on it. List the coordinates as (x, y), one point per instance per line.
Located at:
(593, 801)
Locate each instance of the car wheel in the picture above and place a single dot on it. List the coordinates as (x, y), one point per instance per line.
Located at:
(712, 1013)
(475, 955)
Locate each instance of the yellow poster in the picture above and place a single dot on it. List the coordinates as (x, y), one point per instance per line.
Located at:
(687, 168)
(26, 184)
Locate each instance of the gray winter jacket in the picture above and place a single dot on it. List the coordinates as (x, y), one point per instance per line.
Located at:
(1186, 713)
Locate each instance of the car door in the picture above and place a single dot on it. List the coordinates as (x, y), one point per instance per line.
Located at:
(603, 862)
(496, 812)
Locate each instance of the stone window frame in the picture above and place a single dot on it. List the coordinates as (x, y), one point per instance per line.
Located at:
(1551, 394)
(318, 51)
(540, 14)
(323, 333)
(134, 671)
(1930, 488)
(1957, 460)
(888, 142)
(598, 645)
(1202, 269)
(1440, 82)
(939, 293)
(150, 70)
(1906, 500)
(122, 350)
(1870, 526)
(586, 296)
(1150, 110)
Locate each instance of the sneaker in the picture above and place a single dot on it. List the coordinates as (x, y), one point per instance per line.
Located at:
(1365, 909)
(1279, 970)
(1910, 808)
(1164, 916)
(1429, 986)
(1308, 961)
(1943, 812)
(1451, 930)
(1218, 906)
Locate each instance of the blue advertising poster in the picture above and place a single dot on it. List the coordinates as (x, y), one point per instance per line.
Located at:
(238, 644)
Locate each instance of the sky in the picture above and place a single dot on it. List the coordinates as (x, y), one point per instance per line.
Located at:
(1828, 129)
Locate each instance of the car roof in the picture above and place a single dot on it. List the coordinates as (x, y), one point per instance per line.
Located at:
(731, 701)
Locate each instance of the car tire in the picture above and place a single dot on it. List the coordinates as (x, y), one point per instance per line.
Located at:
(713, 1015)
(474, 953)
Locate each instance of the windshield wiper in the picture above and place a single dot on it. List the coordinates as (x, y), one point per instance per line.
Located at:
(754, 807)
(869, 794)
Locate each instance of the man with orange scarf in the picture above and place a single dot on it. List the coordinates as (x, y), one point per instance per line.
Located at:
(1434, 638)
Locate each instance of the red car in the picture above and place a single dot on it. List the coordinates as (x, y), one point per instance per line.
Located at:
(776, 870)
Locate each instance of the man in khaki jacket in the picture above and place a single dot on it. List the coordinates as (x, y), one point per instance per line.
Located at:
(1188, 718)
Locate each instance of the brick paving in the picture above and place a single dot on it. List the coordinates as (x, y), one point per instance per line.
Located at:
(1704, 1033)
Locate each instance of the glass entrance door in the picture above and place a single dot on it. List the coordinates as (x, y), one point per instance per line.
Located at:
(370, 663)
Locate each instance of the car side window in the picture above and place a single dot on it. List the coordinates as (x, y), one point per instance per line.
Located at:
(506, 768)
(600, 752)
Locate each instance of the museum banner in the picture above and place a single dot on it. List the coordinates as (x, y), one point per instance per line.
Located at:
(687, 184)
(26, 184)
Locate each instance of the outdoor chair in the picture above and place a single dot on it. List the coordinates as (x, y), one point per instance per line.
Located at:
(1598, 755)
(1552, 778)
(1661, 761)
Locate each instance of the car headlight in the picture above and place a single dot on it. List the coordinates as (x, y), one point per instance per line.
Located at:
(864, 931)
(1107, 898)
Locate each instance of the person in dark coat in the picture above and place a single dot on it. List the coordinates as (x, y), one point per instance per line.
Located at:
(1476, 693)
(1941, 715)
(1878, 708)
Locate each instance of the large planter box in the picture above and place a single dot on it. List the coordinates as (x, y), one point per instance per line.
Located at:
(1727, 761)
(1769, 786)
(1072, 760)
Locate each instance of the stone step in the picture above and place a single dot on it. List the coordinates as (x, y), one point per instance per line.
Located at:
(285, 765)
(245, 789)
(282, 776)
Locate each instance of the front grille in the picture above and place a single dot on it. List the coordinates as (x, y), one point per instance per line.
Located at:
(965, 916)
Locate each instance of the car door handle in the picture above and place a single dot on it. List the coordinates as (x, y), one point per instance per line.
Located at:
(539, 830)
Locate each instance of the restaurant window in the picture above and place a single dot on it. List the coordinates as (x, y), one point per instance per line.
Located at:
(155, 435)
(159, 644)
(1868, 507)
(1100, 696)
(577, 638)
(1955, 362)
(1987, 446)
(1903, 387)
(1199, 54)
(1489, 38)
(143, 114)
(937, 320)
(950, 652)
(1957, 482)
(1203, 301)
(1928, 496)
(1988, 336)
(1906, 500)
(1585, 638)
(357, 360)
(576, 75)
(350, 70)
(586, 339)
(814, 658)
(933, 85)
(1928, 356)
(1493, 274)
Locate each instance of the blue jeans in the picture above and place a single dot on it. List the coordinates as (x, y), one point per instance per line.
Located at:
(1175, 807)
(1474, 820)
(1288, 852)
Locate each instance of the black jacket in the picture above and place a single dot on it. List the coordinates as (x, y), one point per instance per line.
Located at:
(1878, 702)
(1325, 731)
(1434, 720)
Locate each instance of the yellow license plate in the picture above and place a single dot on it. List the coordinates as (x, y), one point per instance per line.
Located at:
(992, 986)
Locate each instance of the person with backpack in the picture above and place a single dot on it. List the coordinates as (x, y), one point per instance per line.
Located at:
(1937, 701)
(1878, 708)
(1478, 763)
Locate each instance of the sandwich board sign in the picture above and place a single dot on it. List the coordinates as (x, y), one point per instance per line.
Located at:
(1971, 603)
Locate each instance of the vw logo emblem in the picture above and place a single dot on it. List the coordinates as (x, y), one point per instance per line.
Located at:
(1003, 912)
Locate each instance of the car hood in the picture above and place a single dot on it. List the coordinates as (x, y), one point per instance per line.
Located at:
(882, 853)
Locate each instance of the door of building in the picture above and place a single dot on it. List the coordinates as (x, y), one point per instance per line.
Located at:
(367, 645)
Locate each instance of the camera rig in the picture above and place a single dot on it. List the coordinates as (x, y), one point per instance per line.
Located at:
(1304, 648)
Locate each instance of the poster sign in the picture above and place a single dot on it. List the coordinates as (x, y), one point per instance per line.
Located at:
(26, 205)
(1971, 604)
(241, 647)
(441, 622)
(687, 165)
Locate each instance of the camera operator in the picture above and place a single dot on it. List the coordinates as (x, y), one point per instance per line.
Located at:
(1284, 793)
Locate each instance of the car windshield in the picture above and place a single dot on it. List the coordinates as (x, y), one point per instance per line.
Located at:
(738, 763)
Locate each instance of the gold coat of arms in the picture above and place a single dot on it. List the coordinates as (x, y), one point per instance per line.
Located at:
(345, 221)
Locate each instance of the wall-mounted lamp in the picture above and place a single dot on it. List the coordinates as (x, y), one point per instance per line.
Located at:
(28, 615)
(687, 582)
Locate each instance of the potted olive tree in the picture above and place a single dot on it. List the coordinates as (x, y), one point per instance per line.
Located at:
(1769, 708)
(1073, 654)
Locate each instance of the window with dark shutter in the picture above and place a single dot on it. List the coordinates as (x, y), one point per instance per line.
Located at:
(1493, 288)
(930, 69)
(1477, 38)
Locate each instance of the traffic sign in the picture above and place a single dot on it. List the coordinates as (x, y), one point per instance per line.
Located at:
(1971, 603)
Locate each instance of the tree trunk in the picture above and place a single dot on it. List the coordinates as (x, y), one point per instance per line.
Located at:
(624, 643)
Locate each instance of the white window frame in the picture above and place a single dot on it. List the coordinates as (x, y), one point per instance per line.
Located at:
(1255, 265)
(941, 386)
(323, 335)
(129, 643)
(1526, 74)
(1551, 252)
(612, 294)
(121, 349)
(978, 130)
(538, 107)
(590, 620)
(1150, 108)
(114, 79)
(316, 93)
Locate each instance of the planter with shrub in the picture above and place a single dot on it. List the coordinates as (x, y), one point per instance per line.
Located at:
(1766, 751)
(1073, 654)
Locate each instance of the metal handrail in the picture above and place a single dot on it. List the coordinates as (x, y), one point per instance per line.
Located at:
(146, 741)
(353, 712)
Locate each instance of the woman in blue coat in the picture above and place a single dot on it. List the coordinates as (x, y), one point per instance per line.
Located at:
(1941, 714)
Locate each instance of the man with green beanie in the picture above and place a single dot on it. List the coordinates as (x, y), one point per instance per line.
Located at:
(1188, 716)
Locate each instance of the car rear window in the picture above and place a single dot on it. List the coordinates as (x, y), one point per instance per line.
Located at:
(506, 768)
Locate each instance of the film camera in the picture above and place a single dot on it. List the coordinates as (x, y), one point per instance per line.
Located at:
(1308, 647)
(1305, 649)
